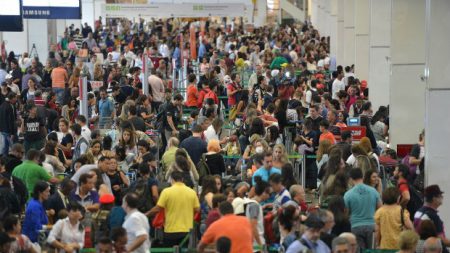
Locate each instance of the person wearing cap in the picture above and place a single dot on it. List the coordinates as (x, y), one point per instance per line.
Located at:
(5, 242)
(310, 239)
(429, 211)
(99, 223)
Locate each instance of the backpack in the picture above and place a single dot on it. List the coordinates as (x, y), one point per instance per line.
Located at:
(412, 167)
(160, 117)
(202, 168)
(142, 189)
(415, 202)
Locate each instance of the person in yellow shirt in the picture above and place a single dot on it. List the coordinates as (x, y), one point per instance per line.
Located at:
(179, 203)
(390, 220)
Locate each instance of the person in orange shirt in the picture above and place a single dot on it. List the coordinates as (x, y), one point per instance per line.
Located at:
(192, 92)
(59, 80)
(226, 226)
(325, 134)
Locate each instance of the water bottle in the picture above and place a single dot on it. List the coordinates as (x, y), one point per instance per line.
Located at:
(243, 170)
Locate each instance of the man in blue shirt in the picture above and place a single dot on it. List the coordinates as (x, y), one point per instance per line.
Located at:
(362, 201)
(266, 170)
(85, 194)
(202, 50)
(310, 240)
(105, 109)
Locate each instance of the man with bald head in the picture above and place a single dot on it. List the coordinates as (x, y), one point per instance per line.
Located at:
(351, 239)
(432, 245)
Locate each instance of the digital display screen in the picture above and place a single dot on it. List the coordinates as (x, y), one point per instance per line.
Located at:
(11, 16)
(52, 9)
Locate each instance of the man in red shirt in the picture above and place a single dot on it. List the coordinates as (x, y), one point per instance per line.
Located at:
(233, 87)
(236, 228)
(192, 92)
(401, 173)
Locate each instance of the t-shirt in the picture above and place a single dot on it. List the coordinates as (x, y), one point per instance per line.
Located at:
(32, 129)
(195, 147)
(179, 202)
(231, 99)
(388, 219)
(265, 174)
(191, 94)
(171, 111)
(337, 86)
(59, 76)
(362, 202)
(254, 211)
(327, 136)
(403, 185)
(282, 197)
(30, 173)
(428, 213)
(136, 224)
(226, 227)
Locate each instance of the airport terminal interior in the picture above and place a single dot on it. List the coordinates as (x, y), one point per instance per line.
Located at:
(225, 126)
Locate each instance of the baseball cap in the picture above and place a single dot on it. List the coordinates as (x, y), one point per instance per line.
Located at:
(107, 199)
(313, 221)
(433, 191)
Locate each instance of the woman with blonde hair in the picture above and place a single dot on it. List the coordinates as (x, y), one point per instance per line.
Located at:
(366, 145)
(280, 157)
(98, 72)
(214, 158)
(407, 241)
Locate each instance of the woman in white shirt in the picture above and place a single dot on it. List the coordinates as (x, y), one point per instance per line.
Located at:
(67, 235)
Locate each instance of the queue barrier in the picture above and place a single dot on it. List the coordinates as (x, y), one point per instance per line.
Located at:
(300, 159)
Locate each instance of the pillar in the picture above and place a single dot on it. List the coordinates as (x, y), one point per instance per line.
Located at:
(349, 33)
(362, 28)
(261, 13)
(340, 32)
(407, 91)
(380, 52)
(437, 121)
(333, 27)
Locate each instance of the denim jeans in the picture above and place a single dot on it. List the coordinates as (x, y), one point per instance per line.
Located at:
(5, 143)
(364, 236)
(59, 95)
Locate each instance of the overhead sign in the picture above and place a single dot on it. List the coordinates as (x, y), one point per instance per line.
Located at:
(52, 9)
(11, 16)
(181, 10)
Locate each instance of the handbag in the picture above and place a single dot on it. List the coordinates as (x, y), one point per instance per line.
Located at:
(158, 221)
(233, 112)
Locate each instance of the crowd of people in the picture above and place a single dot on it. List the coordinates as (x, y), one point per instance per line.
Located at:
(141, 171)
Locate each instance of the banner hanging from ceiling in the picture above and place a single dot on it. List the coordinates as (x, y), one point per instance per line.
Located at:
(52, 9)
(176, 10)
(11, 16)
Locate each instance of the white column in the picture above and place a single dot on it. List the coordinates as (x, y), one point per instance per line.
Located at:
(380, 52)
(314, 9)
(362, 29)
(333, 27)
(437, 136)
(88, 12)
(340, 32)
(261, 13)
(407, 92)
(349, 33)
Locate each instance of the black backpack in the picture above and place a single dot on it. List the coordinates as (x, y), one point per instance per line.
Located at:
(142, 188)
(415, 200)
